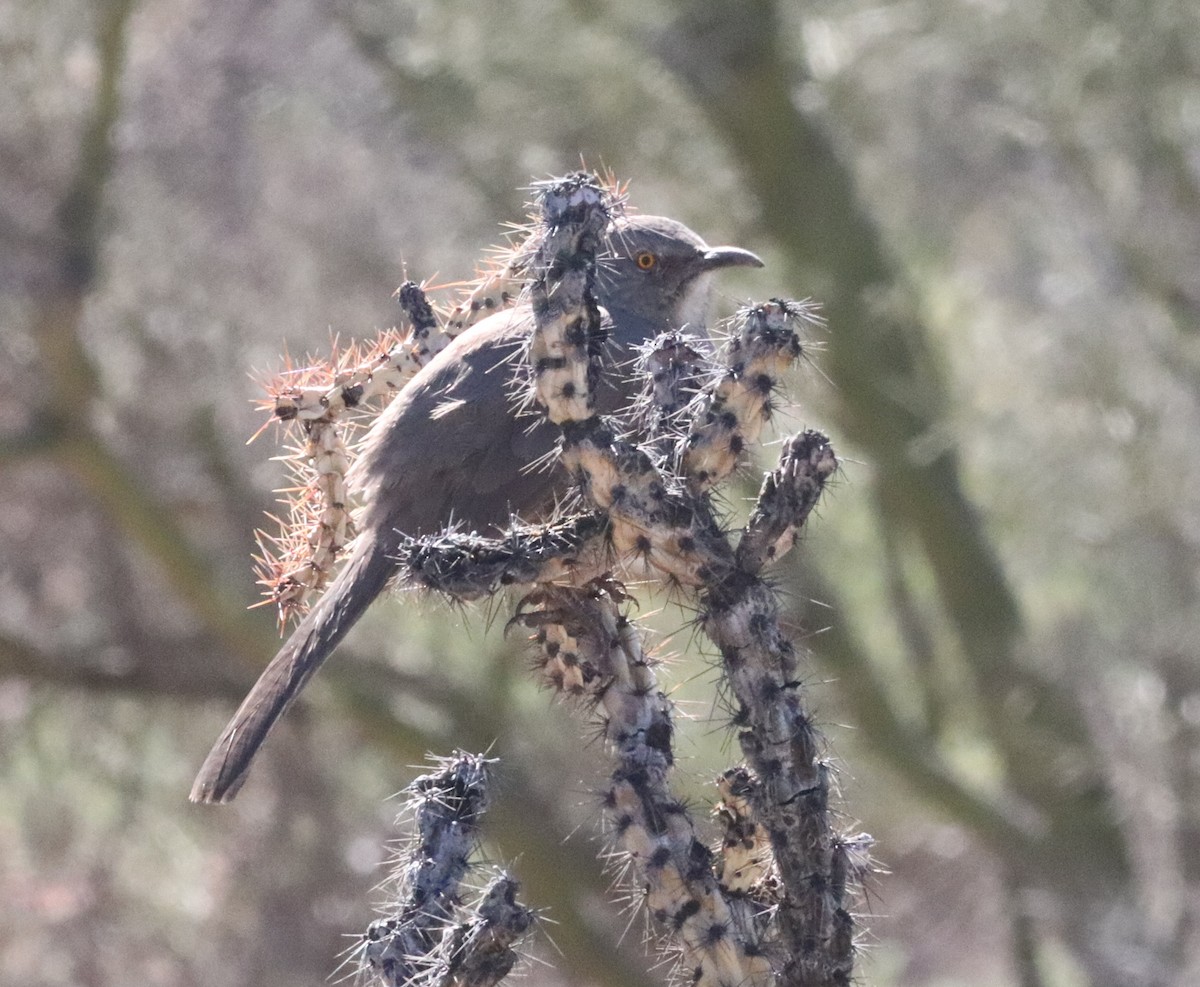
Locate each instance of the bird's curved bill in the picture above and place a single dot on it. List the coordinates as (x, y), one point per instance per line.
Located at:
(718, 257)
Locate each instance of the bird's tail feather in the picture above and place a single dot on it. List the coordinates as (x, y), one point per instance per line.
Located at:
(357, 585)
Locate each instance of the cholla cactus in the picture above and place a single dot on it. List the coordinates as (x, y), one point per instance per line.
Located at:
(731, 413)
(319, 524)
(773, 905)
(427, 936)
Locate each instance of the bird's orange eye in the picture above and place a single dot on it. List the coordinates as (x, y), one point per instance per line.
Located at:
(646, 260)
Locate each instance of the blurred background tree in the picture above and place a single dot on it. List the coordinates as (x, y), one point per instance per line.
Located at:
(998, 205)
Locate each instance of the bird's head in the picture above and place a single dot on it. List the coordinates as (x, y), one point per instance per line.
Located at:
(659, 273)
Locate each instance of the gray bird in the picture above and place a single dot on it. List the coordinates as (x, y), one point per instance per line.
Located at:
(453, 448)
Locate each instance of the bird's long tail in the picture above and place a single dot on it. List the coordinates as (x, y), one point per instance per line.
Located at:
(347, 598)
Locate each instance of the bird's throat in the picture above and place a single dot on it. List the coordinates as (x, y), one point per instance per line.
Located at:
(695, 303)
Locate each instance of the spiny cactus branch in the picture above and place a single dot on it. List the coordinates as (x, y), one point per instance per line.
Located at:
(787, 496)
(299, 561)
(729, 415)
(746, 862)
(481, 952)
(674, 530)
(426, 939)
(470, 567)
(675, 366)
(589, 650)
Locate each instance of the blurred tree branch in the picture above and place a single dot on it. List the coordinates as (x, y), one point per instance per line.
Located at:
(66, 432)
(892, 404)
(174, 680)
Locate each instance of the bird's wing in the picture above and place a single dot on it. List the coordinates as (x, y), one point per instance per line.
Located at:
(452, 446)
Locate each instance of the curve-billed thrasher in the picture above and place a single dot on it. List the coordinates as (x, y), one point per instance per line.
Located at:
(452, 448)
